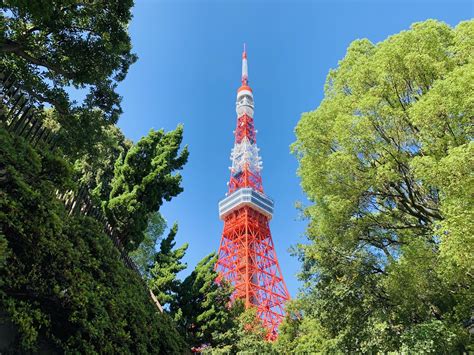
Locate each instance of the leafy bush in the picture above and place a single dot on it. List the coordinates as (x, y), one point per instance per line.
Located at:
(64, 284)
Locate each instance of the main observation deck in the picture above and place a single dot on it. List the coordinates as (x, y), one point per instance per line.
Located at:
(246, 197)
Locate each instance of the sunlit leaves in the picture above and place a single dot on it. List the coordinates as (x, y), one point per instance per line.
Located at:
(386, 160)
(144, 177)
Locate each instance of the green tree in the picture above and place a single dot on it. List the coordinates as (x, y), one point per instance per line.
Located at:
(246, 336)
(143, 178)
(94, 168)
(144, 255)
(64, 287)
(298, 334)
(387, 161)
(202, 310)
(55, 45)
(160, 268)
(251, 334)
(167, 264)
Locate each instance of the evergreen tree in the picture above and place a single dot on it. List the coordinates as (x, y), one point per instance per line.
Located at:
(94, 168)
(63, 284)
(143, 178)
(387, 161)
(167, 264)
(202, 310)
(160, 268)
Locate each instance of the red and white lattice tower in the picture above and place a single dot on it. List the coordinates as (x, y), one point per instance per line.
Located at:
(247, 257)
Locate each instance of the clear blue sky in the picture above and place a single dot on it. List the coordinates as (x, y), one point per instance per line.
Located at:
(188, 72)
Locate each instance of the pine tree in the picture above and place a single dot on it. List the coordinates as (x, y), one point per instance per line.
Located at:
(143, 178)
(163, 279)
(63, 287)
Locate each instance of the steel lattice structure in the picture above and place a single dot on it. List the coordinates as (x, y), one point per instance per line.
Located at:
(247, 257)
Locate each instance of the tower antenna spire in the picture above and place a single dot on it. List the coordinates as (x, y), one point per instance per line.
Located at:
(245, 70)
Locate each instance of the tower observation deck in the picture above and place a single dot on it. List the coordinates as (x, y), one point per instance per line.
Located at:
(246, 256)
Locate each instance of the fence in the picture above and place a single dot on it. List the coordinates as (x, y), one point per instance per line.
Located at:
(21, 117)
(18, 114)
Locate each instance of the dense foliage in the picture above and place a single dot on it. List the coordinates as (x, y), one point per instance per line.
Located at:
(160, 267)
(144, 255)
(143, 178)
(246, 336)
(95, 167)
(167, 264)
(54, 45)
(64, 286)
(387, 159)
(202, 309)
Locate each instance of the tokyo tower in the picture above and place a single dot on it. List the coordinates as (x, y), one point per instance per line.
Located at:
(247, 257)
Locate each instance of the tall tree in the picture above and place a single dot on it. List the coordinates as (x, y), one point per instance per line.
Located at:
(143, 178)
(52, 48)
(386, 159)
(160, 267)
(94, 168)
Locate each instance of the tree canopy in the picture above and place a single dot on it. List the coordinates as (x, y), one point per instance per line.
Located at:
(143, 178)
(63, 285)
(55, 45)
(58, 49)
(387, 161)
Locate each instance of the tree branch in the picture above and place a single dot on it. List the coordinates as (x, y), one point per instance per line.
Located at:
(16, 48)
